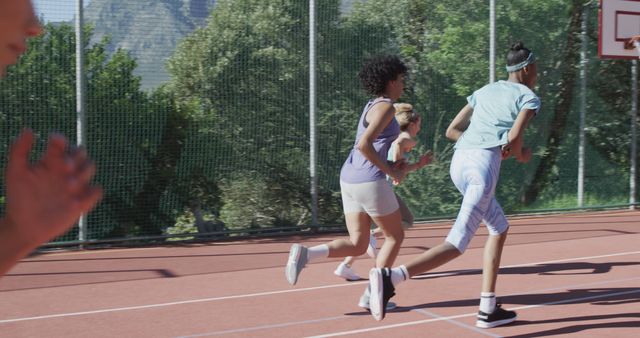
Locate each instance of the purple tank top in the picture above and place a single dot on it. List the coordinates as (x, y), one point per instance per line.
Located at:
(357, 169)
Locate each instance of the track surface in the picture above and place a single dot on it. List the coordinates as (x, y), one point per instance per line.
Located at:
(574, 275)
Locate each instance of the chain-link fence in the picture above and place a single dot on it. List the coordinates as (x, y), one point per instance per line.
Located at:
(197, 111)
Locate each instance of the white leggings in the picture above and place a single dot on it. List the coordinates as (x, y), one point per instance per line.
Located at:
(475, 173)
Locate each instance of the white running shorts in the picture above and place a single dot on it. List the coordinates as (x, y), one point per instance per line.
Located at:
(373, 198)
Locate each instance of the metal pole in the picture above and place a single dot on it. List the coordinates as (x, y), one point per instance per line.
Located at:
(80, 100)
(584, 61)
(634, 117)
(312, 113)
(492, 41)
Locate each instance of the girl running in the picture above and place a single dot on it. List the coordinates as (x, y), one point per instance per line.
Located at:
(409, 121)
(366, 194)
(488, 129)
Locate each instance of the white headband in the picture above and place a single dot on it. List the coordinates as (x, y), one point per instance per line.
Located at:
(531, 59)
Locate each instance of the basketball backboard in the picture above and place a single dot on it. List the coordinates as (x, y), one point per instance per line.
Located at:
(619, 21)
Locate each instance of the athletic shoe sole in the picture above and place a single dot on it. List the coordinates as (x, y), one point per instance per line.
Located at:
(390, 305)
(376, 298)
(295, 263)
(487, 325)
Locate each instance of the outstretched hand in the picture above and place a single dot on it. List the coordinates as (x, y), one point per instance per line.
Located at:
(425, 159)
(398, 171)
(632, 42)
(524, 156)
(46, 198)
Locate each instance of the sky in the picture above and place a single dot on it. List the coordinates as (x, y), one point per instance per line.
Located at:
(56, 10)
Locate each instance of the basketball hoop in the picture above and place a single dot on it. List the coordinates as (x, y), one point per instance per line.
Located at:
(619, 29)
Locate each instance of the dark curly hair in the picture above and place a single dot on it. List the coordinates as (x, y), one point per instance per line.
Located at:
(517, 53)
(378, 71)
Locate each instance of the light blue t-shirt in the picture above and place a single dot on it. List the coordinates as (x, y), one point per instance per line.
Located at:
(495, 108)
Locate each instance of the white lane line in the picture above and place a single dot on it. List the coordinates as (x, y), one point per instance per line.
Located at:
(259, 294)
(191, 301)
(424, 311)
(462, 325)
(573, 286)
(453, 273)
(418, 322)
(575, 300)
(272, 326)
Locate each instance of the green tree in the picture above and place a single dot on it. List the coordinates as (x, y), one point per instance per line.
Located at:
(446, 43)
(40, 93)
(246, 74)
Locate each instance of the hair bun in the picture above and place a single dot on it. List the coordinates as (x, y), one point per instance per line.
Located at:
(517, 46)
(402, 107)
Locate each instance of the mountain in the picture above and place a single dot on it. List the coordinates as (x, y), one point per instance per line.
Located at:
(347, 5)
(149, 29)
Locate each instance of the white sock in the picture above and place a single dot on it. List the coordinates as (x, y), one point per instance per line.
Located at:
(487, 302)
(317, 252)
(399, 274)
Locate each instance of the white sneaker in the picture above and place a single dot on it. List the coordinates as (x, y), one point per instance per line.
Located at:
(344, 271)
(372, 250)
(296, 262)
(381, 289)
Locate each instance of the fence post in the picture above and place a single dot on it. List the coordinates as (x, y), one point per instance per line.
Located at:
(584, 61)
(492, 41)
(312, 113)
(634, 117)
(80, 100)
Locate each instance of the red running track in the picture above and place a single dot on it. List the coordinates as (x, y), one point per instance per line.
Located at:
(575, 275)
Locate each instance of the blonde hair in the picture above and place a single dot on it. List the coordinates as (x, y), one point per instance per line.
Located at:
(405, 115)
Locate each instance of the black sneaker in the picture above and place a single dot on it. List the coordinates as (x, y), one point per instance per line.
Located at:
(498, 317)
(381, 291)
